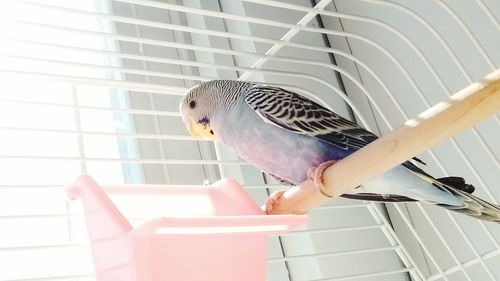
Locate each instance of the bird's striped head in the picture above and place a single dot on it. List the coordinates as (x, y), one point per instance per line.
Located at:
(204, 104)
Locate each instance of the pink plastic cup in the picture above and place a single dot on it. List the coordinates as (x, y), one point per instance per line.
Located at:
(225, 238)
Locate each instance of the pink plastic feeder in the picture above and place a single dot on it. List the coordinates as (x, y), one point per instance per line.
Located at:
(214, 233)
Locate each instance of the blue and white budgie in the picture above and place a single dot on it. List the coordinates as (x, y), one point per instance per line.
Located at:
(286, 135)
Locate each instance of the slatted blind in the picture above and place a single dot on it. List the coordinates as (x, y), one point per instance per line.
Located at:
(92, 86)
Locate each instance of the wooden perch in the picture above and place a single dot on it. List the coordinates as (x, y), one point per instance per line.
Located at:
(440, 122)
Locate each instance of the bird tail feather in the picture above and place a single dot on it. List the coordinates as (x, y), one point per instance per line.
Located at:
(475, 207)
(471, 205)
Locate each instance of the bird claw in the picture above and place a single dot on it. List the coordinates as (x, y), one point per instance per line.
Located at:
(315, 174)
(315, 181)
(273, 200)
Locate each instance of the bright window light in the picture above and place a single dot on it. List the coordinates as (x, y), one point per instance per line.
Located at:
(41, 142)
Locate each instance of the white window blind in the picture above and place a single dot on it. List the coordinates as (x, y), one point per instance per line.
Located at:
(93, 87)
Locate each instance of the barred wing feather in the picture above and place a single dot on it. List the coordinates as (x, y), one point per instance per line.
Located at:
(293, 112)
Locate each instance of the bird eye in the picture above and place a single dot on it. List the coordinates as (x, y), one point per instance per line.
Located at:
(192, 104)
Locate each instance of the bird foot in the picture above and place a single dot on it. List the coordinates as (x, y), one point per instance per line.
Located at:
(315, 174)
(273, 200)
(314, 182)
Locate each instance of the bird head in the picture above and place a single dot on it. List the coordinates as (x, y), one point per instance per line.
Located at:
(197, 110)
(203, 107)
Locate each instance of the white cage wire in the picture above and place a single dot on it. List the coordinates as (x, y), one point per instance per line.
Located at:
(93, 86)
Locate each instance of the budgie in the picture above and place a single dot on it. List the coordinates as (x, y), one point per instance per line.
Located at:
(286, 135)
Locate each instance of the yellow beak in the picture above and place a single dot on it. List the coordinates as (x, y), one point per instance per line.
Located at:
(198, 130)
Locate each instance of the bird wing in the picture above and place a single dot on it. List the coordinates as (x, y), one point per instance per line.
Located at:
(293, 112)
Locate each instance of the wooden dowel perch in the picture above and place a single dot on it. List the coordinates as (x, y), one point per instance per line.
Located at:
(442, 121)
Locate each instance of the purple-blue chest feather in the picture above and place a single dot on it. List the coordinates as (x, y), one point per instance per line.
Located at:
(275, 150)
